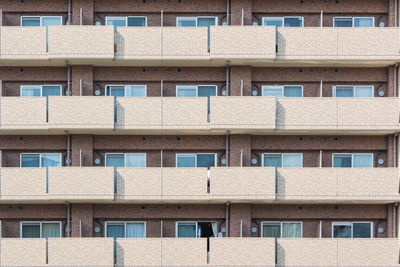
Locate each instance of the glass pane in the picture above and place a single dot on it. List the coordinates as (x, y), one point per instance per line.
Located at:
(207, 90)
(186, 161)
(136, 91)
(30, 91)
(186, 230)
(343, 22)
(273, 22)
(30, 160)
(293, 91)
(117, 22)
(115, 160)
(342, 231)
(51, 160)
(362, 161)
(48, 21)
(137, 21)
(186, 92)
(205, 22)
(186, 22)
(50, 230)
(135, 160)
(115, 230)
(135, 230)
(341, 161)
(363, 91)
(31, 230)
(272, 91)
(272, 230)
(292, 161)
(273, 160)
(206, 160)
(34, 21)
(49, 90)
(116, 90)
(344, 91)
(293, 22)
(361, 230)
(291, 230)
(363, 22)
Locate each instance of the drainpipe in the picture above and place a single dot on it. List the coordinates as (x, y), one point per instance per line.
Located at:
(395, 13)
(68, 148)
(394, 220)
(227, 77)
(69, 13)
(227, 220)
(69, 80)
(395, 150)
(227, 12)
(227, 149)
(321, 23)
(395, 87)
(68, 218)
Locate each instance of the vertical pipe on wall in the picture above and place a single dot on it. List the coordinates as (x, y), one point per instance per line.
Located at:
(162, 88)
(68, 148)
(162, 18)
(396, 6)
(80, 157)
(395, 150)
(241, 158)
(227, 77)
(241, 228)
(68, 218)
(81, 87)
(227, 149)
(1, 88)
(80, 16)
(320, 158)
(395, 78)
(80, 228)
(320, 229)
(69, 80)
(1, 17)
(161, 228)
(227, 11)
(321, 22)
(241, 87)
(69, 13)
(321, 86)
(242, 23)
(227, 220)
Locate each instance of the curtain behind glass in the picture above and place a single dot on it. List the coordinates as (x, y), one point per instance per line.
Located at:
(187, 22)
(362, 161)
(49, 21)
(51, 160)
(189, 91)
(291, 230)
(186, 230)
(51, 90)
(343, 22)
(30, 21)
(363, 91)
(136, 91)
(116, 90)
(30, 160)
(30, 91)
(214, 229)
(344, 91)
(50, 230)
(342, 161)
(272, 230)
(361, 230)
(293, 22)
(342, 231)
(363, 22)
(137, 21)
(31, 230)
(292, 161)
(275, 91)
(115, 160)
(206, 160)
(273, 160)
(116, 22)
(186, 161)
(135, 230)
(293, 91)
(135, 160)
(115, 230)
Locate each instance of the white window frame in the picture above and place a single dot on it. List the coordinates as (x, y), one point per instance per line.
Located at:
(352, 21)
(40, 86)
(126, 20)
(196, 19)
(125, 86)
(197, 88)
(282, 18)
(116, 153)
(352, 227)
(262, 160)
(195, 222)
(125, 223)
(40, 225)
(195, 158)
(281, 226)
(282, 87)
(40, 18)
(40, 159)
(354, 90)
(352, 158)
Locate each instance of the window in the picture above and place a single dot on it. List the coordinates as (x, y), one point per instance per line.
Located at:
(353, 22)
(359, 160)
(129, 160)
(282, 91)
(196, 21)
(196, 160)
(40, 160)
(196, 90)
(126, 229)
(353, 91)
(286, 160)
(283, 21)
(132, 21)
(41, 21)
(196, 229)
(40, 90)
(126, 90)
(352, 229)
(40, 229)
(282, 229)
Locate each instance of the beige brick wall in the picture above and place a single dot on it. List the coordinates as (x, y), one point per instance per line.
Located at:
(184, 252)
(238, 112)
(22, 252)
(138, 43)
(23, 184)
(139, 113)
(139, 252)
(81, 252)
(23, 113)
(23, 43)
(242, 251)
(81, 42)
(242, 183)
(80, 183)
(138, 183)
(243, 42)
(81, 112)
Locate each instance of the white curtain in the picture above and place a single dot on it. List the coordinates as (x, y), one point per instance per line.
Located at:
(135, 230)
(363, 91)
(272, 91)
(362, 161)
(292, 160)
(187, 91)
(50, 230)
(292, 230)
(135, 160)
(363, 22)
(136, 91)
(51, 160)
(214, 229)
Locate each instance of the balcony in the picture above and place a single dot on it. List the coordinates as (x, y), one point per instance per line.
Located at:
(193, 252)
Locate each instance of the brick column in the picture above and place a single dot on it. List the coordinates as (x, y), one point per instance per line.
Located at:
(240, 143)
(87, 12)
(390, 151)
(240, 213)
(86, 74)
(391, 11)
(390, 86)
(82, 213)
(237, 74)
(236, 12)
(84, 143)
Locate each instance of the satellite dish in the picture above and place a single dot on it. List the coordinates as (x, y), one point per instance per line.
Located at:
(254, 161)
(97, 92)
(97, 161)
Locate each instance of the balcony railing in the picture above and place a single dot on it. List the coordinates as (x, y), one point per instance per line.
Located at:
(194, 252)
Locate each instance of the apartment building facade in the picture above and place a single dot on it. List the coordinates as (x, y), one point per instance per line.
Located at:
(199, 133)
